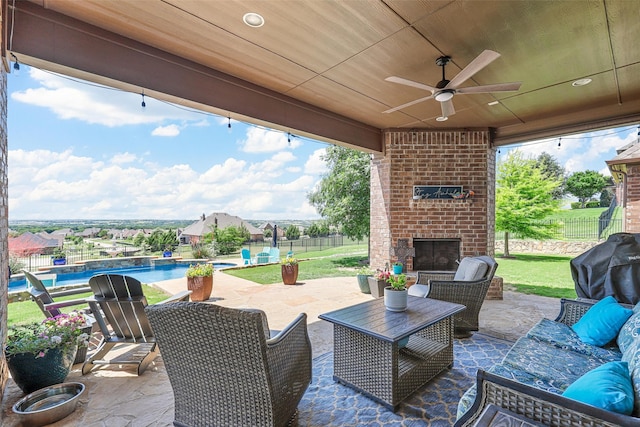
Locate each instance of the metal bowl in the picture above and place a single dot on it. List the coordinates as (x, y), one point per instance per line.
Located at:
(49, 404)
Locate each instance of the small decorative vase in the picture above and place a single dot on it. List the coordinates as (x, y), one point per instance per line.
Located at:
(363, 282)
(397, 269)
(60, 261)
(31, 373)
(289, 274)
(376, 286)
(395, 300)
(200, 287)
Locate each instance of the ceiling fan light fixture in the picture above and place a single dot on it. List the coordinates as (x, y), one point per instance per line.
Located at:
(442, 119)
(581, 82)
(443, 96)
(253, 19)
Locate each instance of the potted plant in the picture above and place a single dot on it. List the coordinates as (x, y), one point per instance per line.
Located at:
(289, 270)
(41, 354)
(59, 257)
(395, 295)
(363, 279)
(378, 282)
(200, 281)
(397, 267)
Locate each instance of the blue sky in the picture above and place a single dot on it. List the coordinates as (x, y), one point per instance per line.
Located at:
(81, 151)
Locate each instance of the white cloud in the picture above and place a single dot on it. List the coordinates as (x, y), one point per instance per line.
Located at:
(72, 99)
(315, 164)
(122, 158)
(170, 130)
(260, 140)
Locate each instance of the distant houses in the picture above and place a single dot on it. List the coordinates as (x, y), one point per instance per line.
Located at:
(194, 232)
(29, 243)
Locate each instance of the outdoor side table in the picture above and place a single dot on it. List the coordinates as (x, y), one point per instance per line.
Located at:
(367, 355)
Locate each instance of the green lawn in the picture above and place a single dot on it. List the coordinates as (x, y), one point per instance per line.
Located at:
(545, 275)
(577, 213)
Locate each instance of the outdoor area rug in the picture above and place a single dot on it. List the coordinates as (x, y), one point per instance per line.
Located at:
(327, 403)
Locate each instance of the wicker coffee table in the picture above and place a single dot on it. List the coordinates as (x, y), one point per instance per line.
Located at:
(367, 356)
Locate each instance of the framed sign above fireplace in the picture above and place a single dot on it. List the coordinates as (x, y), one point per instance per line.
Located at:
(437, 192)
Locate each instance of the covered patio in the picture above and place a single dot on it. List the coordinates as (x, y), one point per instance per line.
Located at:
(147, 400)
(320, 70)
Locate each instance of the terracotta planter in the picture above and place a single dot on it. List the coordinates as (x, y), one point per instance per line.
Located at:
(289, 274)
(376, 287)
(200, 287)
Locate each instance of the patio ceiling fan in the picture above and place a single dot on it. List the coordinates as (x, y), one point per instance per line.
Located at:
(444, 91)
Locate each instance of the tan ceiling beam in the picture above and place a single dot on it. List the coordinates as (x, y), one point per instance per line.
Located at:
(60, 40)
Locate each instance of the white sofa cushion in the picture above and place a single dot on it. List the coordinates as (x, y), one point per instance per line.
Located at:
(471, 269)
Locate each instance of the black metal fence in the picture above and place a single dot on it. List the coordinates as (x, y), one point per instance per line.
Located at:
(303, 245)
(583, 229)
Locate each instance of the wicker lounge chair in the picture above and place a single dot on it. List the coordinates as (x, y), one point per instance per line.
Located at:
(224, 368)
(118, 303)
(467, 286)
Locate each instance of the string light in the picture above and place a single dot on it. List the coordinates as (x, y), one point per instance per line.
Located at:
(16, 64)
(144, 104)
(559, 142)
(229, 124)
(289, 137)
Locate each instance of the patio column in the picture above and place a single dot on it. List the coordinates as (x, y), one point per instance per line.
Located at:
(433, 158)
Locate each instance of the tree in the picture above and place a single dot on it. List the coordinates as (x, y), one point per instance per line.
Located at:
(524, 195)
(342, 196)
(585, 184)
(292, 232)
(551, 168)
(229, 240)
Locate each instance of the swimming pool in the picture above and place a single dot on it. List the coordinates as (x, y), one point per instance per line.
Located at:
(145, 274)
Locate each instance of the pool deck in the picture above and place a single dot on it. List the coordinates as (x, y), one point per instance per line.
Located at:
(117, 397)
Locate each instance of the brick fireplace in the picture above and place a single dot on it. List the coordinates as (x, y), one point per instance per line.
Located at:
(432, 158)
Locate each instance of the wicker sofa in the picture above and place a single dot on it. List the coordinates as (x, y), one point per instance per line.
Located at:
(540, 366)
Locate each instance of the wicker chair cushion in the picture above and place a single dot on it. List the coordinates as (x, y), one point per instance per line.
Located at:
(471, 269)
(602, 322)
(630, 332)
(607, 387)
(541, 359)
(632, 356)
(561, 335)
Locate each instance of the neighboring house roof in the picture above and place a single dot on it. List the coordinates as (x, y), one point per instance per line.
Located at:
(59, 238)
(627, 155)
(266, 226)
(30, 243)
(223, 220)
(63, 231)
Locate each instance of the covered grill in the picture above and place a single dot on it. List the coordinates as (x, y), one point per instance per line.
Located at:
(610, 268)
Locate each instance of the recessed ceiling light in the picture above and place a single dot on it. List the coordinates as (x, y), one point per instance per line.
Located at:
(494, 103)
(253, 19)
(442, 119)
(581, 82)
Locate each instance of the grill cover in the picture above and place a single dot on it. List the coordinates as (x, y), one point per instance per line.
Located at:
(610, 268)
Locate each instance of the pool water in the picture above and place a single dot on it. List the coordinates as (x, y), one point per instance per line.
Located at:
(145, 274)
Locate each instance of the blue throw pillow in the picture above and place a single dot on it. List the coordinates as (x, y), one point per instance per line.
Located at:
(607, 387)
(602, 322)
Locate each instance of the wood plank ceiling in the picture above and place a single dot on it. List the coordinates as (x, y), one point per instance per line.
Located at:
(323, 64)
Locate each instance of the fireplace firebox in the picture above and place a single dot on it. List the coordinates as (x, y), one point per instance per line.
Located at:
(436, 254)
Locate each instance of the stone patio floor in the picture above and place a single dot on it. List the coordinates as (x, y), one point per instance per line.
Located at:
(117, 397)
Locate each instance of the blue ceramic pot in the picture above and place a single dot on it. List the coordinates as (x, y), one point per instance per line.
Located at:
(31, 373)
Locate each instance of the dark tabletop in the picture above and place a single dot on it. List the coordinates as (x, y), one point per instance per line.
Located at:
(373, 319)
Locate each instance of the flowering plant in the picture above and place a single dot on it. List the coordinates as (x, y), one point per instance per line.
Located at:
(199, 270)
(398, 282)
(382, 274)
(289, 261)
(54, 332)
(397, 264)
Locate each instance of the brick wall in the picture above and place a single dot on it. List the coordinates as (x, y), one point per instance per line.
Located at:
(456, 157)
(4, 227)
(632, 211)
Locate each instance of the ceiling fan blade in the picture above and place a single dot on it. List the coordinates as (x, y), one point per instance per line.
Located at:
(408, 104)
(411, 83)
(499, 87)
(481, 61)
(447, 108)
